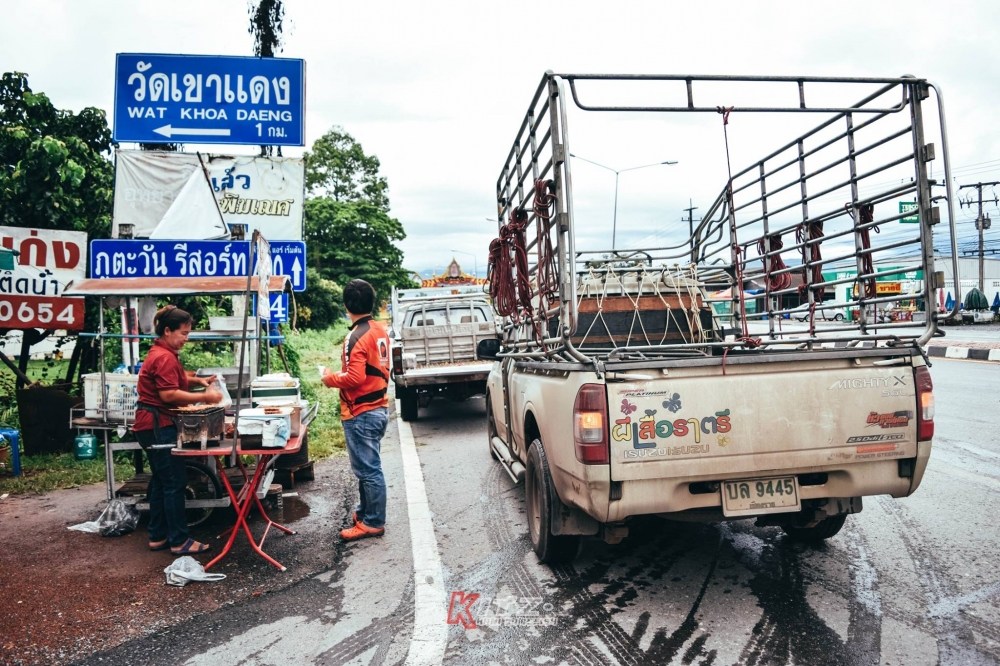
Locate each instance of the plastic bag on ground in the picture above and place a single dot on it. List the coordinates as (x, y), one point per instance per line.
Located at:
(186, 569)
(117, 519)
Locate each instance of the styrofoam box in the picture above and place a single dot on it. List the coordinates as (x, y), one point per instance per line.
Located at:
(295, 410)
(257, 414)
(119, 397)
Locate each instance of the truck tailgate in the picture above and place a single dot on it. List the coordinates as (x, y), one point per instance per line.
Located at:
(759, 420)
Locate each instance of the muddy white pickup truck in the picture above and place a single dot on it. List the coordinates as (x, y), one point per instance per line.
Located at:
(629, 379)
(435, 331)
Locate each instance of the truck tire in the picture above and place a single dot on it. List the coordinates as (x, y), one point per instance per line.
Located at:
(491, 429)
(824, 529)
(539, 497)
(408, 405)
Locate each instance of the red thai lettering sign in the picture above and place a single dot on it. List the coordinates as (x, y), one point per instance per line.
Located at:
(40, 312)
(46, 261)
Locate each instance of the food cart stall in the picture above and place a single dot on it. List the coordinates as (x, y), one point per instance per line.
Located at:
(110, 398)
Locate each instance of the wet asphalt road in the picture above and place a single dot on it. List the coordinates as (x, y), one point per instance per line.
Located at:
(909, 581)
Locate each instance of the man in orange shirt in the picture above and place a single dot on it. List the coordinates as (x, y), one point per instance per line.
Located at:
(364, 406)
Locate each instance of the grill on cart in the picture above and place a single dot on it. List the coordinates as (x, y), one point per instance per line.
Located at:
(198, 425)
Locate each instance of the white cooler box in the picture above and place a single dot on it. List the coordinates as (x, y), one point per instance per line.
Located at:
(270, 430)
(295, 409)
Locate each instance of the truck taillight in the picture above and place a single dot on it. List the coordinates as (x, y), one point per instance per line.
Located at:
(590, 419)
(397, 360)
(925, 404)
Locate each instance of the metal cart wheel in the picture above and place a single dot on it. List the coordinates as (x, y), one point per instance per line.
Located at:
(202, 484)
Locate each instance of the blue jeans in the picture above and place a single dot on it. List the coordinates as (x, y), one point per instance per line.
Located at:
(166, 492)
(364, 442)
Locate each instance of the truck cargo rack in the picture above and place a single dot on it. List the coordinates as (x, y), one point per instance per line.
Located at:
(788, 227)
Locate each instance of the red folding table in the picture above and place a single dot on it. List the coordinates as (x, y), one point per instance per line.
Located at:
(246, 498)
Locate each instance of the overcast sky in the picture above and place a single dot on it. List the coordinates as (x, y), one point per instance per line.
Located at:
(436, 90)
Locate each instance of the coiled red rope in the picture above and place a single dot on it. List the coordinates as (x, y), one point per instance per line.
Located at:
(866, 214)
(508, 269)
(812, 274)
(772, 244)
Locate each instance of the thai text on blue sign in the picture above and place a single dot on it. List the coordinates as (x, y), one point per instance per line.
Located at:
(162, 98)
(289, 258)
(192, 258)
(168, 258)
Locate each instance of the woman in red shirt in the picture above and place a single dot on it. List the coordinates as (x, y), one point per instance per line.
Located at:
(163, 383)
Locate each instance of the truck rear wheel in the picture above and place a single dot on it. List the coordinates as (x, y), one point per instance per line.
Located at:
(824, 529)
(408, 404)
(539, 497)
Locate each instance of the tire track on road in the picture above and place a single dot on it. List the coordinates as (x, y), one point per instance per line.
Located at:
(956, 638)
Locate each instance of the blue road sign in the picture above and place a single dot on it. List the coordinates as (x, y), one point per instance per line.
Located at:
(289, 258)
(161, 98)
(277, 307)
(168, 258)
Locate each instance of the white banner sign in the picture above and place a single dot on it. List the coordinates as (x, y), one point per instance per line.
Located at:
(164, 195)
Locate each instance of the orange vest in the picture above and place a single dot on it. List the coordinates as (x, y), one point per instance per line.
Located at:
(364, 376)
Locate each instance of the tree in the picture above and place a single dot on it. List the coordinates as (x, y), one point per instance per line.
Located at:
(348, 228)
(266, 25)
(348, 240)
(53, 174)
(337, 167)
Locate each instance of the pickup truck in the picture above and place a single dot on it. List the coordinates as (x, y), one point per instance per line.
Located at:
(435, 331)
(617, 389)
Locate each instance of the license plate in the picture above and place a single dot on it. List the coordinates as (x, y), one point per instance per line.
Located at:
(751, 497)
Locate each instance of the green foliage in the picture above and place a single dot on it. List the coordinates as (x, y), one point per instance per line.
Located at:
(314, 347)
(45, 472)
(266, 20)
(322, 305)
(338, 168)
(348, 240)
(52, 171)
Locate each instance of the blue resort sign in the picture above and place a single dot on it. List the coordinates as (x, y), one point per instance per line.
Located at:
(162, 98)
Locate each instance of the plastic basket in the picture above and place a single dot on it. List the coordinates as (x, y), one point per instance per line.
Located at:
(116, 402)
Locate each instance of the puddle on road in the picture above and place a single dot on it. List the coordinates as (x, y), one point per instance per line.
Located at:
(289, 508)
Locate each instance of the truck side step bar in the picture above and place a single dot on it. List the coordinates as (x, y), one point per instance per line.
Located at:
(513, 467)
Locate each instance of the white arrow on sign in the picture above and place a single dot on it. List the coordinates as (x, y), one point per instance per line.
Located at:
(296, 272)
(169, 131)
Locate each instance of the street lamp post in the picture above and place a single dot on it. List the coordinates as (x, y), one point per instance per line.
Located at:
(475, 261)
(618, 172)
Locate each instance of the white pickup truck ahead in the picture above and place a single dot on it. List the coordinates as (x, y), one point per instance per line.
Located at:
(435, 331)
(620, 391)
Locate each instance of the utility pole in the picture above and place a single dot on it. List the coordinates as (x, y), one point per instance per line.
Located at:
(982, 224)
(690, 218)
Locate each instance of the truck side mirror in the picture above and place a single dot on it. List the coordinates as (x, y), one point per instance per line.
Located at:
(488, 349)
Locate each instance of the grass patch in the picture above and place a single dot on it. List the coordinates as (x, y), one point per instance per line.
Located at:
(50, 471)
(42, 473)
(326, 435)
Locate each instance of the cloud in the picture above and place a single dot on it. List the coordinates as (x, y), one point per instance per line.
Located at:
(436, 89)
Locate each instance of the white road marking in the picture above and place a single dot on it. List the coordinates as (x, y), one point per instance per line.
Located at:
(430, 629)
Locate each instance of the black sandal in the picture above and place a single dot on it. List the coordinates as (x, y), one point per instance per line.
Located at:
(191, 547)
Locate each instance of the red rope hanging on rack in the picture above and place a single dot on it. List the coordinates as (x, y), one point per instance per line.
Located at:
(866, 214)
(500, 274)
(548, 281)
(772, 244)
(508, 269)
(813, 232)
